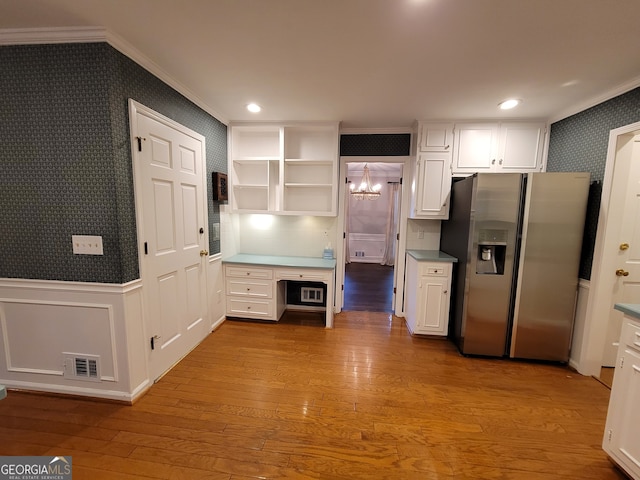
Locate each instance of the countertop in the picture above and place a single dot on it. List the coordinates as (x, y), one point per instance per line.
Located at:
(631, 309)
(282, 261)
(431, 256)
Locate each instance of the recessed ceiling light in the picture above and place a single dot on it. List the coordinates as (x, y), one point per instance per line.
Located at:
(509, 104)
(254, 107)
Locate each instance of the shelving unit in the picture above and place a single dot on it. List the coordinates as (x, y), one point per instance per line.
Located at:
(284, 169)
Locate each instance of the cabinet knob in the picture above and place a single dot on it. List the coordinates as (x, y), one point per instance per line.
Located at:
(493, 162)
(444, 291)
(446, 147)
(500, 162)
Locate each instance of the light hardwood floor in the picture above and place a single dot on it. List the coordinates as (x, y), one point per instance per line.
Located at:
(294, 400)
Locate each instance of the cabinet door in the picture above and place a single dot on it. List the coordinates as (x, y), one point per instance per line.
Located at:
(520, 147)
(433, 185)
(436, 137)
(474, 147)
(622, 438)
(434, 295)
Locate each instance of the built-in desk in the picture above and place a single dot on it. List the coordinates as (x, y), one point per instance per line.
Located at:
(255, 284)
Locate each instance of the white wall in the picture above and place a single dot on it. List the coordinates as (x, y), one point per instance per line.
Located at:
(285, 235)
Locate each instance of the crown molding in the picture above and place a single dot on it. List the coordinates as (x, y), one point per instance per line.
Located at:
(35, 36)
(50, 35)
(619, 90)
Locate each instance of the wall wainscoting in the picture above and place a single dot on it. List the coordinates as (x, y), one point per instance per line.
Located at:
(49, 328)
(366, 247)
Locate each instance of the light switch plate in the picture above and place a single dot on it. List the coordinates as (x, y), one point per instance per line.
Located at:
(87, 244)
(215, 232)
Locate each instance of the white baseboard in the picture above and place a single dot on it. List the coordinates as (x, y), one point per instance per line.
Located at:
(78, 391)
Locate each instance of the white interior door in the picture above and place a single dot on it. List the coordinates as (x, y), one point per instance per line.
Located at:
(626, 283)
(171, 212)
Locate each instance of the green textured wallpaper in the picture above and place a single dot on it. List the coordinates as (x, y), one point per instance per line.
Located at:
(65, 161)
(579, 143)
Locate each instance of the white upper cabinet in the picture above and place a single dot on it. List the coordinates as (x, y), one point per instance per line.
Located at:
(498, 147)
(435, 137)
(287, 169)
(520, 146)
(431, 175)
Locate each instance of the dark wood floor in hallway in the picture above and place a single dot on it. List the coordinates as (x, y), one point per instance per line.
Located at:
(368, 287)
(364, 400)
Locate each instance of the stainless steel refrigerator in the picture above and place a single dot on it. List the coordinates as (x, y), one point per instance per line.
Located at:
(518, 239)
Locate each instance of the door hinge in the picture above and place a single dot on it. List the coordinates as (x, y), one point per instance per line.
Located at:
(140, 139)
(146, 249)
(621, 362)
(610, 434)
(342, 288)
(397, 236)
(400, 180)
(394, 290)
(344, 234)
(153, 342)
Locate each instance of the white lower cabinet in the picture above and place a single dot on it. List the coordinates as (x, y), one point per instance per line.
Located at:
(622, 433)
(428, 286)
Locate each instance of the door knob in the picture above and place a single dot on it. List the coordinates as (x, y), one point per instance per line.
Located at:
(622, 273)
(624, 246)
(203, 253)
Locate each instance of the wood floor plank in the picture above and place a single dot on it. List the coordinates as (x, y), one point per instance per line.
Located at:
(363, 400)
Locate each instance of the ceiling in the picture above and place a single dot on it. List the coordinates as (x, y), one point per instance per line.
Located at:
(371, 63)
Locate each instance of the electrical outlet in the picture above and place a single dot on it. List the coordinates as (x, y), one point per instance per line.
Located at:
(420, 233)
(87, 245)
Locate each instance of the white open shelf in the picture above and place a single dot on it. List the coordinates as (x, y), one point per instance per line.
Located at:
(296, 166)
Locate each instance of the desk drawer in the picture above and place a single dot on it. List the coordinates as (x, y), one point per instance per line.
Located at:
(302, 275)
(249, 272)
(244, 307)
(249, 287)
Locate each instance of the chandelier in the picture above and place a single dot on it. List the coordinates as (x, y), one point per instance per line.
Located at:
(365, 190)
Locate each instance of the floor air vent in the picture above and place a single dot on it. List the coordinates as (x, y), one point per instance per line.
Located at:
(82, 367)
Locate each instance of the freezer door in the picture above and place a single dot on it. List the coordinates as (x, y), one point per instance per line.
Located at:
(549, 262)
(495, 212)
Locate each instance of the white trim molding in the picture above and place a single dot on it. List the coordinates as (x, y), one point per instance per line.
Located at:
(49, 35)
